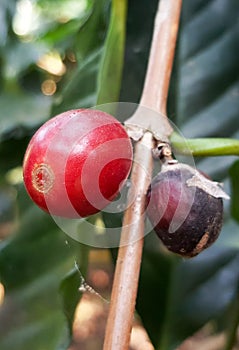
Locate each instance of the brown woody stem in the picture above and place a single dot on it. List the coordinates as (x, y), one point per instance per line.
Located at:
(157, 79)
(129, 256)
(154, 96)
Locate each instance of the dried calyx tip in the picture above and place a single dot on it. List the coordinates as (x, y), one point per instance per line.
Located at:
(163, 151)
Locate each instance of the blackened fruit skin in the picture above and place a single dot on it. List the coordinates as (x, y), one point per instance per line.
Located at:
(186, 218)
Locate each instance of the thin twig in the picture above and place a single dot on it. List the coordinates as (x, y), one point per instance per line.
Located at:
(205, 147)
(154, 96)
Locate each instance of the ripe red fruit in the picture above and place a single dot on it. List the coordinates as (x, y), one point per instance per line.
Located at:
(185, 209)
(77, 162)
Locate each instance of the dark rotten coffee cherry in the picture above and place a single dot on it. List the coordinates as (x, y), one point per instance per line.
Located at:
(185, 209)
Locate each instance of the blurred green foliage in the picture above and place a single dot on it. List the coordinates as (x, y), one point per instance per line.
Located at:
(58, 55)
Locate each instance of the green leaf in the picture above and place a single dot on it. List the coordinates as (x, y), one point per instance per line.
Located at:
(7, 206)
(153, 289)
(27, 54)
(140, 20)
(109, 79)
(91, 35)
(13, 141)
(208, 82)
(32, 264)
(69, 288)
(229, 235)
(97, 78)
(79, 87)
(201, 290)
(81, 90)
(21, 109)
(61, 34)
(234, 176)
(70, 295)
(176, 297)
(7, 8)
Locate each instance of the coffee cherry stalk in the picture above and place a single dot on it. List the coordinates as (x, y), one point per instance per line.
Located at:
(184, 206)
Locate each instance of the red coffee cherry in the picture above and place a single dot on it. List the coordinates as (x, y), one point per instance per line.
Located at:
(185, 209)
(77, 162)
